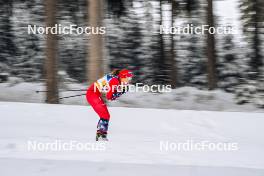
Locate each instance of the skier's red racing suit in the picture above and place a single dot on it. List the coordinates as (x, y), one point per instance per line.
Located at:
(105, 86)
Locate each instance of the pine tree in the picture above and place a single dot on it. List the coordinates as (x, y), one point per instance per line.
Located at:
(29, 58)
(229, 67)
(124, 41)
(253, 20)
(195, 68)
(7, 46)
(73, 48)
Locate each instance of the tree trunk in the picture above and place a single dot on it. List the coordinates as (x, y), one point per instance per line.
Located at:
(211, 64)
(95, 50)
(51, 54)
(161, 60)
(256, 62)
(173, 71)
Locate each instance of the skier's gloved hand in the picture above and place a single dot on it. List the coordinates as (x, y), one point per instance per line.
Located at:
(124, 89)
(116, 95)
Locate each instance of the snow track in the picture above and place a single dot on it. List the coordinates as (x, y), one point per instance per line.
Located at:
(134, 147)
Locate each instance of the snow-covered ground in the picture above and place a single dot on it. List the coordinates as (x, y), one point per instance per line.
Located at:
(186, 98)
(135, 142)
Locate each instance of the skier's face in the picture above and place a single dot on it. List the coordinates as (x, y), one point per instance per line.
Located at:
(126, 80)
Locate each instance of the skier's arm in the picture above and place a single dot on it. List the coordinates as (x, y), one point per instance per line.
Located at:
(113, 93)
(112, 89)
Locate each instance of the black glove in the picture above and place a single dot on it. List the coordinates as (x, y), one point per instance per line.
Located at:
(118, 94)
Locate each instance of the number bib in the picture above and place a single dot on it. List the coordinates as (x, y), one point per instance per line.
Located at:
(102, 84)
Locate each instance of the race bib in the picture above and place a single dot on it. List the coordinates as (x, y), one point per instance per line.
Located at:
(102, 84)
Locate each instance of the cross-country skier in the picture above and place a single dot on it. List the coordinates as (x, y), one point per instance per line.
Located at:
(111, 86)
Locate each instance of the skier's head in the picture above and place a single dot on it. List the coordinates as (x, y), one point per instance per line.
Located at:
(125, 76)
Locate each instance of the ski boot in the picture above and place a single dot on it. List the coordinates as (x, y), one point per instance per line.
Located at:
(102, 127)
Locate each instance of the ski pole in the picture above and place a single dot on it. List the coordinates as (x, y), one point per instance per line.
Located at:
(72, 96)
(70, 90)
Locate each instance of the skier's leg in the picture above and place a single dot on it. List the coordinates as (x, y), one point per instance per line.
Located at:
(98, 105)
(101, 109)
(102, 126)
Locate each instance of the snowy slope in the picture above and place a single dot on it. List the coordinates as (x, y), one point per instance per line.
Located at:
(134, 146)
(184, 98)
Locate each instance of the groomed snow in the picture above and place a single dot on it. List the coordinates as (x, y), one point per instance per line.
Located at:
(134, 146)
